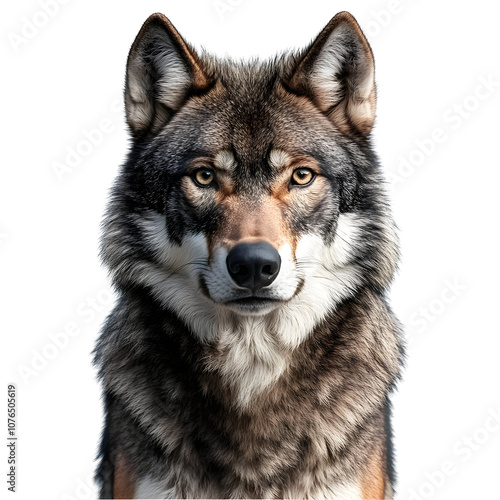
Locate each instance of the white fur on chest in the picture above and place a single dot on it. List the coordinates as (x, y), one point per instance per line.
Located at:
(252, 357)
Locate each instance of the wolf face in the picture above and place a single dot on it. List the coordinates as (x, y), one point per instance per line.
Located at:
(251, 195)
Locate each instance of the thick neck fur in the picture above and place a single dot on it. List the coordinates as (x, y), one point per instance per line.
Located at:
(314, 397)
(249, 356)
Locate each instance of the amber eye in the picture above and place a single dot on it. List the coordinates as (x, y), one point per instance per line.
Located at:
(204, 176)
(302, 176)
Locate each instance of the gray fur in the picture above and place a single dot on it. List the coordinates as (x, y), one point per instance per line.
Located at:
(203, 400)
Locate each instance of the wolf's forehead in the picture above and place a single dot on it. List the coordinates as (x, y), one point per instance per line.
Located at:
(277, 159)
(245, 77)
(250, 124)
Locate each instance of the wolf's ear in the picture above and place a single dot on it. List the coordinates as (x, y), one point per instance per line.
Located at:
(162, 70)
(337, 73)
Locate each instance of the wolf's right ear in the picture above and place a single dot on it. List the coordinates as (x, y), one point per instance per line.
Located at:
(162, 70)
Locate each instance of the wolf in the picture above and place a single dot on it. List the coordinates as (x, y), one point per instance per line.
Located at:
(252, 351)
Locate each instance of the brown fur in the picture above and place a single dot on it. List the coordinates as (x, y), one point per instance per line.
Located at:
(124, 479)
(374, 477)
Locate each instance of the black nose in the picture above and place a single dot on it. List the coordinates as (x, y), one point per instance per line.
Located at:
(253, 265)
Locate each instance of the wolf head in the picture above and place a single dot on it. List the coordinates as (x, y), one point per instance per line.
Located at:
(251, 188)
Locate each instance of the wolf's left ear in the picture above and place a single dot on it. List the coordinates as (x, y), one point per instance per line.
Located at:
(162, 71)
(337, 73)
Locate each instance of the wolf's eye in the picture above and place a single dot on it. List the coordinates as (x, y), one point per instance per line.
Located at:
(204, 177)
(302, 176)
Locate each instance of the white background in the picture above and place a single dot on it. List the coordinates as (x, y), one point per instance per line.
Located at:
(64, 79)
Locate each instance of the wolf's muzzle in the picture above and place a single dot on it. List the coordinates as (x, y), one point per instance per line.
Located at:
(253, 265)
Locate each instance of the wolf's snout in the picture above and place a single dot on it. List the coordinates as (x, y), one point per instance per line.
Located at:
(253, 265)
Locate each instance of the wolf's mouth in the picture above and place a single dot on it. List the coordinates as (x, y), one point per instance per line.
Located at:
(252, 300)
(252, 304)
